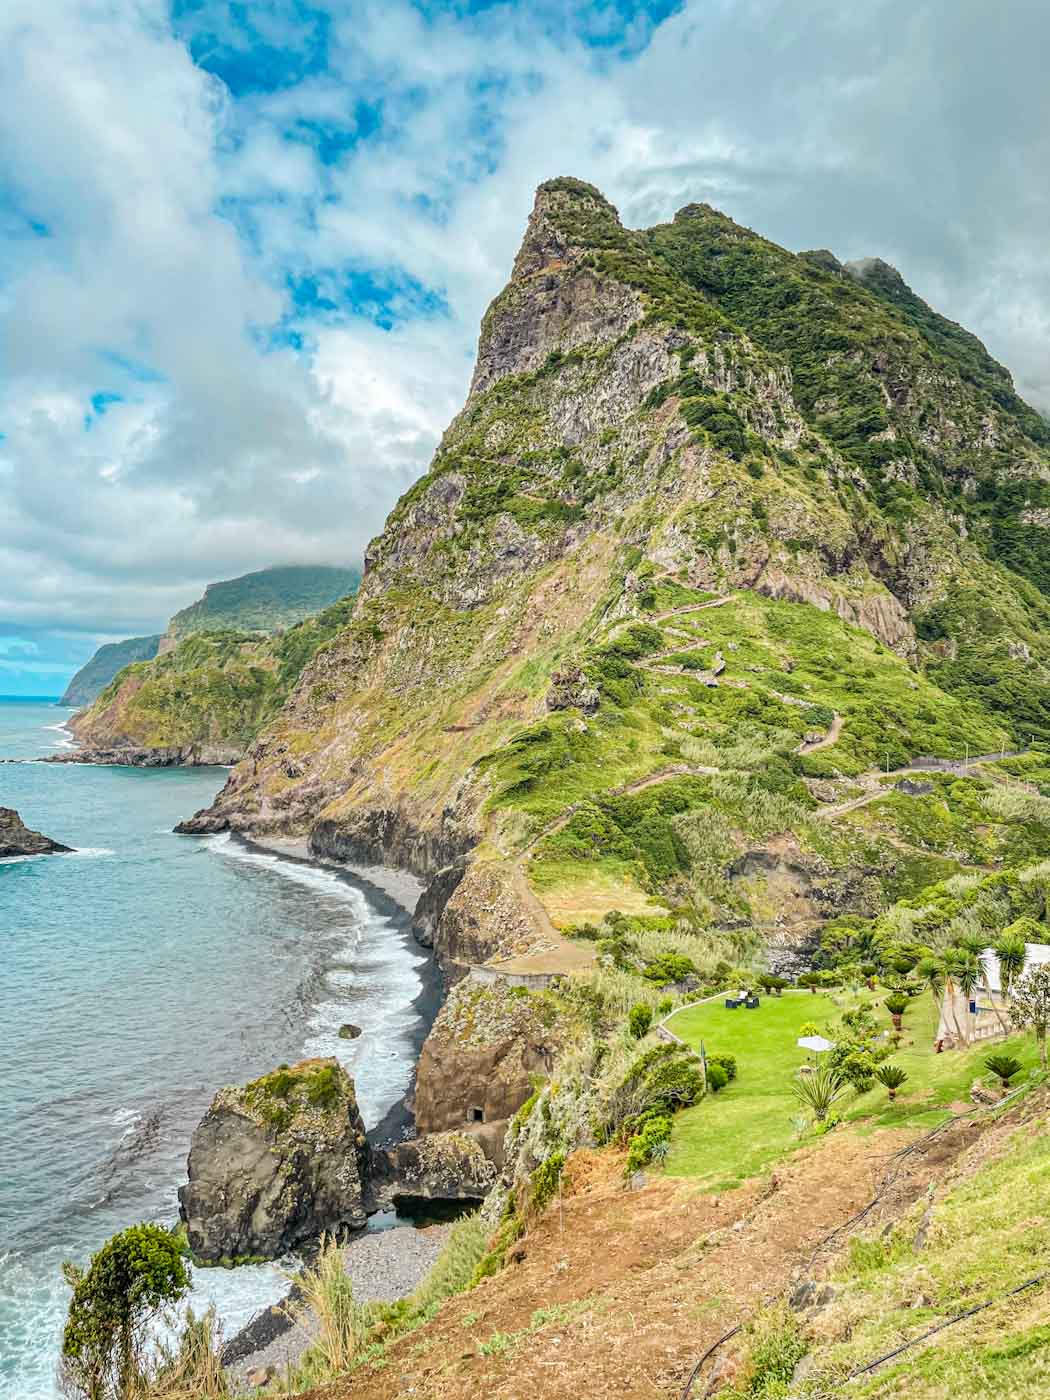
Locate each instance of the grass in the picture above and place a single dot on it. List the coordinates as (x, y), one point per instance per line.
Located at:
(728, 1138)
(985, 1237)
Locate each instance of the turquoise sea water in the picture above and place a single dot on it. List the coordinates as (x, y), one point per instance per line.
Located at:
(137, 976)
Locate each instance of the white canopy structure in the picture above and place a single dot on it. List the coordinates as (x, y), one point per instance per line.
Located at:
(816, 1043)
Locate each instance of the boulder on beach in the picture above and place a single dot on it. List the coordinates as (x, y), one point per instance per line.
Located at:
(16, 839)
(275, 1164)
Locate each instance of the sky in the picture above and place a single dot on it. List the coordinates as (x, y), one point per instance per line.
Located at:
(245, 245)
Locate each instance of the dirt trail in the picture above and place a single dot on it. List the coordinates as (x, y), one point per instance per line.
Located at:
(831, 737)
(635, 1287)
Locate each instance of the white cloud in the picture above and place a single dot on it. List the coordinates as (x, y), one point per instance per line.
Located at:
(176, 212)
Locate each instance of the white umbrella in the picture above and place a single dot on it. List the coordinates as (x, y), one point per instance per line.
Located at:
(816, 1043)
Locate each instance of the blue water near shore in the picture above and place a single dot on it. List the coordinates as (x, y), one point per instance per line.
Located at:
(138, 975)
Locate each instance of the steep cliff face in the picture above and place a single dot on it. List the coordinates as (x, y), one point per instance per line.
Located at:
(721, 482)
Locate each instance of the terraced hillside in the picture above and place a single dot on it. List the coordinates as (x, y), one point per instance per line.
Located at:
(721, 533)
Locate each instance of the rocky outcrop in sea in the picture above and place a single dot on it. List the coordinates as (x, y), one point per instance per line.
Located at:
(16, 839)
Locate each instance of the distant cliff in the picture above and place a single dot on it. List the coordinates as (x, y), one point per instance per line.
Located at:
(265, 601)
(92, 679)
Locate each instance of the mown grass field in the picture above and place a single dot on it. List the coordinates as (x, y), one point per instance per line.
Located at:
(751, 1123)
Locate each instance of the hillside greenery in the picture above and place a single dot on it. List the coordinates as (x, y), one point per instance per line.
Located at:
(266, 600)
(108, 661)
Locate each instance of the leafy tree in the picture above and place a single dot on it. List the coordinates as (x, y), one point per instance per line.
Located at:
(1004, 1067)
(639, 1020)
(892, 1077)
(1030, 1006)
(132, 1279)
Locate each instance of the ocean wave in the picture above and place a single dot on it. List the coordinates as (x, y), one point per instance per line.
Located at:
(90, 852)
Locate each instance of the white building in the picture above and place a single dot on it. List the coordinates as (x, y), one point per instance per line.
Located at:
(984, 1015)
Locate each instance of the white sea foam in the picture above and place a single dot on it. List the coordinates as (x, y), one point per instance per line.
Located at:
(91, 852)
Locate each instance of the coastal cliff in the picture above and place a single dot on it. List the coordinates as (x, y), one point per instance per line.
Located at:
(750, 500)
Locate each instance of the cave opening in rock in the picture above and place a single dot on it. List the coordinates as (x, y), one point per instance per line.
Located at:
(477, 1115)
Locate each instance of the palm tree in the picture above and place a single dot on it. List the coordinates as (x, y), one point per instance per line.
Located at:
(1004, 1067)
(892, 1076)
(820, 1091)
(966, 971)
(935, 973)
(1012, 955)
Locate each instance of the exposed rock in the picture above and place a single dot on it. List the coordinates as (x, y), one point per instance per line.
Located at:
(16, 839)
(439, 1167)
(571, 689)
(348, 1031)
(913, 788)
(477, 1063)
(134, 756)
(276, 1163)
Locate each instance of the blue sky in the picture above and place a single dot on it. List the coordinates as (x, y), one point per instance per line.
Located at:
(245, 247)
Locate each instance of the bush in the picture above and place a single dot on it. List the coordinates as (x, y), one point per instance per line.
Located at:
(645, 1145)
(725, 1061)
(1004, 1067)
(819, 1091)
(639, 1020)
(129, 1283)
(669, 967)
(717, 1078)
(545, 1180)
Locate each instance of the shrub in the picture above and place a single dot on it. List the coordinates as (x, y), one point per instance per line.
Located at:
(644, 1145)
(726, 1061)
(545, 1180)
(132, 1279)
(717, 1078)
(808, 1028)
(897, 1004)
(891, 1077)
(669, 967)
(819, 1091)
(639, 1020)
(1004, 1067)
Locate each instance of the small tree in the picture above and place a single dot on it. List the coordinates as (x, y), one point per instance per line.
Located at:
(1030, 1006)
(810, 980)
(1004, 1067)
(639, 1020)
(132, 1279)
(892, 1077)
(820, 1091)
(896, 1005)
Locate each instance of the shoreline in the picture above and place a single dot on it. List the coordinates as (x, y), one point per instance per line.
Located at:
(389, 1254)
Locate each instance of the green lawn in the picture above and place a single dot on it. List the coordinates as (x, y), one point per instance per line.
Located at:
(749, 1124)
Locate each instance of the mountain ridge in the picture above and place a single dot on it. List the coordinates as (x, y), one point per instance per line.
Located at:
(658, 418)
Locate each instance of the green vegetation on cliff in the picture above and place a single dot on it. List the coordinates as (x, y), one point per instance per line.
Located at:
(90, 681)
(214, 690)
(267, 600)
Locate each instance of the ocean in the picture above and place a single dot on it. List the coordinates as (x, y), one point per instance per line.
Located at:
(139, 975)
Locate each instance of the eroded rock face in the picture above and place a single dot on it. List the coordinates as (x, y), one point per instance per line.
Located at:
(439, 1167)
(477, 1062)
(276, 1163)
(16, 839)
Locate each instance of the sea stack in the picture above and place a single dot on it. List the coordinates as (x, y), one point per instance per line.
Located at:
(275, 1164)
(16, 839)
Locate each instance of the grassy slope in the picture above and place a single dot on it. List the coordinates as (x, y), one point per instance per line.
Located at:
(987, 1235)
(748, 1126)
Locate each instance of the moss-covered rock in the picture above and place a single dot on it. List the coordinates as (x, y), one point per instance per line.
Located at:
(276, 1163)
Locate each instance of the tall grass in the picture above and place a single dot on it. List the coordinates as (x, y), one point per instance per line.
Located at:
(189, 1368)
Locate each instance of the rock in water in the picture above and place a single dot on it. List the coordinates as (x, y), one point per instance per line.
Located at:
(348, 1031)
(276, 1163)
(16, 839)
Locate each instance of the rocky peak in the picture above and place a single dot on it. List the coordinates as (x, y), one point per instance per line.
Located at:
(875, 273)
(16, 839)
